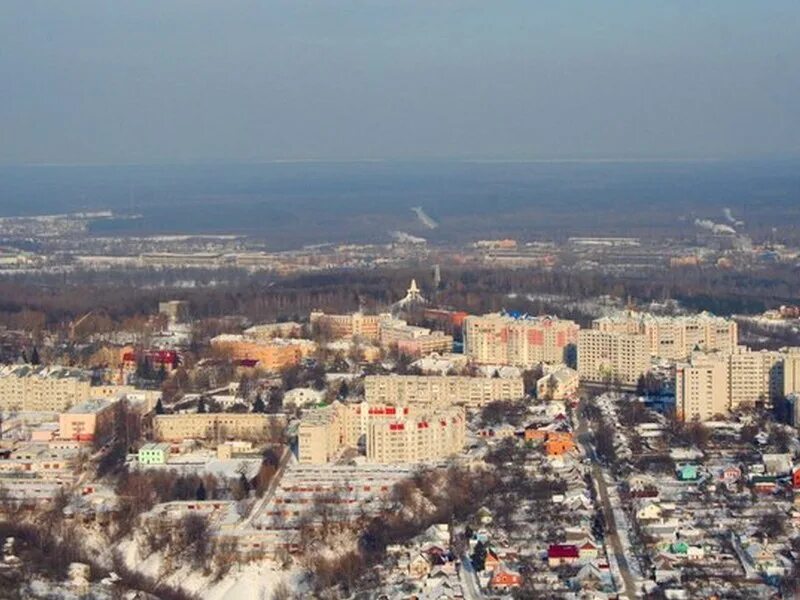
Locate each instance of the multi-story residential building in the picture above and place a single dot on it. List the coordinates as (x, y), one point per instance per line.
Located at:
(218, 426)
(268, 331)
(413, 341)
(321, 434)
(675, 338)
(273, 354)
(522, 341)
(612, 356)
(441, 390)
(417, 438)
(427, 433)
(355, 325)
(715, 383)
(37, 388)
(701, 388)
(791, 371)
(90, 421)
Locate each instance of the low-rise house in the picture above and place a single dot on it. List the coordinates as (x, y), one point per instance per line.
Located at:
(687, 472)
(562, 554)
(154, 454)
(504, 579)
(588, 551)
(777, 464)
(764, 484)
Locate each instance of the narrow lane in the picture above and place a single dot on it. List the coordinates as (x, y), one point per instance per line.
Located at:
(584, 435)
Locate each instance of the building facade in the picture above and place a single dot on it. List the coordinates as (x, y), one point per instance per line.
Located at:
(417, 438)
(90, 421)
(675, 338)
(355, 325)
(522, 341)
(608, 357)
(218, 426)
(389, 434)
(441, 390)
(712, 384)
(37, 388)
(271, 354)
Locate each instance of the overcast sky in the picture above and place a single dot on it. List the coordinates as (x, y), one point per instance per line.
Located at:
(96, 81)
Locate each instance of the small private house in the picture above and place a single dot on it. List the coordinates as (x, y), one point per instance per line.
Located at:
(687, 472)
(504, 579)
(153, 454)
(562, 554)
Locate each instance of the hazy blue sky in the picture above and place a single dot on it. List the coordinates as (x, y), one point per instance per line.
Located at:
(85, 81)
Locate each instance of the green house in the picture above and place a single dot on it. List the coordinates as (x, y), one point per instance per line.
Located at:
(687, 472)
(679, 548)
(153, 454)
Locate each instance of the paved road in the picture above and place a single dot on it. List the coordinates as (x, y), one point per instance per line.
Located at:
(583, 434)
(262, 502)
(469, 578)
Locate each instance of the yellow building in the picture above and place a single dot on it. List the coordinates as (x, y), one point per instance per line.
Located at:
(271, 354)
(37, 388)
(355, 325)
(441, 390)
(612, 356)
(675, 338)
(502, 339)
(218, 426)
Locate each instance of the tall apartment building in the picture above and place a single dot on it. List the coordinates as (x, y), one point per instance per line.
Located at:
(675, 338)
(355, 325)
(716, 383)
(426, 434)
(417, 438)
(271, 354)
(38, 388)
(612, 356)
(218, 426)
(321, 434)
(791, 371)
(441, 390)
(522, 341)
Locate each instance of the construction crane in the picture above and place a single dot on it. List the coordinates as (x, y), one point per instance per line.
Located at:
(74, 325)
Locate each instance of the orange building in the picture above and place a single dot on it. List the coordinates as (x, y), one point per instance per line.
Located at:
(89, 421)
(556, 443)
(272, 355)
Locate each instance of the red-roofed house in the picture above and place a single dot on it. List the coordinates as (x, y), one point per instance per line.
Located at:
(562, 554)
(504, 579)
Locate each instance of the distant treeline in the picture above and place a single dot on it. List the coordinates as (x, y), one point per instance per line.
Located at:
(36, 302)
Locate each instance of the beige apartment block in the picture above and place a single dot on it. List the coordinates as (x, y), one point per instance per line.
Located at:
(37, 388)
(417, 438)
(701, 388)
(675, 338)
(426, 434)
(218, 426)
(355, 325)
(791, 371)
(605, 356)
(716, 383)
(501, 339)
(441, 390)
